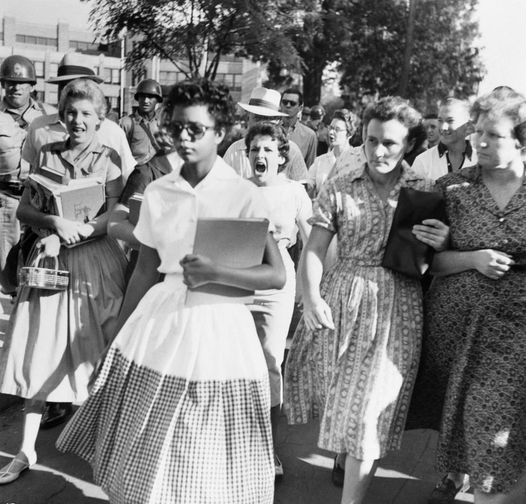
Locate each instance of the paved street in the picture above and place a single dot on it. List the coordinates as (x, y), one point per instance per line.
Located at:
(406, 477)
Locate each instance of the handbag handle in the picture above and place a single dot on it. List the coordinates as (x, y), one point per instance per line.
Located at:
(41, 257)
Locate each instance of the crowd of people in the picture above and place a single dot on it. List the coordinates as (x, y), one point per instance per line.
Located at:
(179, 396)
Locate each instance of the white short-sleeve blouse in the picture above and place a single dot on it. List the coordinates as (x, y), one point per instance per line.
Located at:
(171, 208)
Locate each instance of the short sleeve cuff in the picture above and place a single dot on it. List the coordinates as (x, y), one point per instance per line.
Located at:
(143, 229)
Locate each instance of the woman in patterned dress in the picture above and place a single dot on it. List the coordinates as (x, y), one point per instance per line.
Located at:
(179, 413)
(355, 353)
(475, 337)
(290, 208)
(55, 338)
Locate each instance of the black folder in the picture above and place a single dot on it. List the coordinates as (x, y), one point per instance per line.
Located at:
(404, 253)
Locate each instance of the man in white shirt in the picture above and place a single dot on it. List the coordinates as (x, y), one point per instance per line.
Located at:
(432, 128)
(454, 151)
(264, 106)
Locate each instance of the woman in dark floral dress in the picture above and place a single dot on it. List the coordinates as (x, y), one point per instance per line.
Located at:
(475, 345)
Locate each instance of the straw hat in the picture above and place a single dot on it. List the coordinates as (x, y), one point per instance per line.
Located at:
(264, 102)
(74, 66)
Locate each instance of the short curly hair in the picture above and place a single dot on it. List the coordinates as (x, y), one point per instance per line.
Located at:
(83, 89)
(349, 118)
(394, 107)
(274, 131)
(503, 102)
(202, 91)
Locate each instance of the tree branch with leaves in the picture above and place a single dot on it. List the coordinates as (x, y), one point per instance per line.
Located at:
(195, 34)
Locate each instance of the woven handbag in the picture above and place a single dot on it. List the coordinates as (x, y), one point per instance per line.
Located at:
(39, 277)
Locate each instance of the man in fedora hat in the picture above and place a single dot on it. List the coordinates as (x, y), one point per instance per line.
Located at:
(141, 126)
(17, 111)
(50, 128)
(263, 105)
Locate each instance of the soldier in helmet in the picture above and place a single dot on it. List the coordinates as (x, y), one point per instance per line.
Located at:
(141, 126)
(17, 111)
(18, 77)
(316, 123)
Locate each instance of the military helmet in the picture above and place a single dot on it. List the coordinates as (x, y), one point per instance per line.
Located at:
(149, 87)
(18, 68)
(317, 112)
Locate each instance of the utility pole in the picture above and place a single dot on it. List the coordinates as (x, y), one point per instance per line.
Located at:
(122, 71)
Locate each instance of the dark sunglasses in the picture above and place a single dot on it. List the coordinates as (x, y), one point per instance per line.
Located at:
(289, 103)
(194, 130)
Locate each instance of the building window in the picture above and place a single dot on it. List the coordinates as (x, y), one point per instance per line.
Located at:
(112, 76)
(170, 77)
(114, 102)
(233, 81)
(30, 39)
(115, 76)
(39, 69)
(167, 78)
(53, 69)
(82, 46)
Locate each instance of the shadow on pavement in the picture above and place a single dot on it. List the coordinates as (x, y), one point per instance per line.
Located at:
(43, 487)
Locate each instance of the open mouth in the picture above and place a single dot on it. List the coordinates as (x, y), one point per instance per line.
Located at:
(260, 167)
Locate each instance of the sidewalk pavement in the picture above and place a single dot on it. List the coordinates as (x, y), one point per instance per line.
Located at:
(404, 477)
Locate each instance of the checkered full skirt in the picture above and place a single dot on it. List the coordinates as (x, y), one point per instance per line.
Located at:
(180, 410)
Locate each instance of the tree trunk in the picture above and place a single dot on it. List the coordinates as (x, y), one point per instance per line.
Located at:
(312, 85)
(406, 66)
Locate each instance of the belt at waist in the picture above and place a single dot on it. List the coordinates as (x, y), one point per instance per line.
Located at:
(364, 263)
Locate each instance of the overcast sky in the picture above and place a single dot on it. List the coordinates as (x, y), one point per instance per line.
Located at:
(501, 24)
(502, 28)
